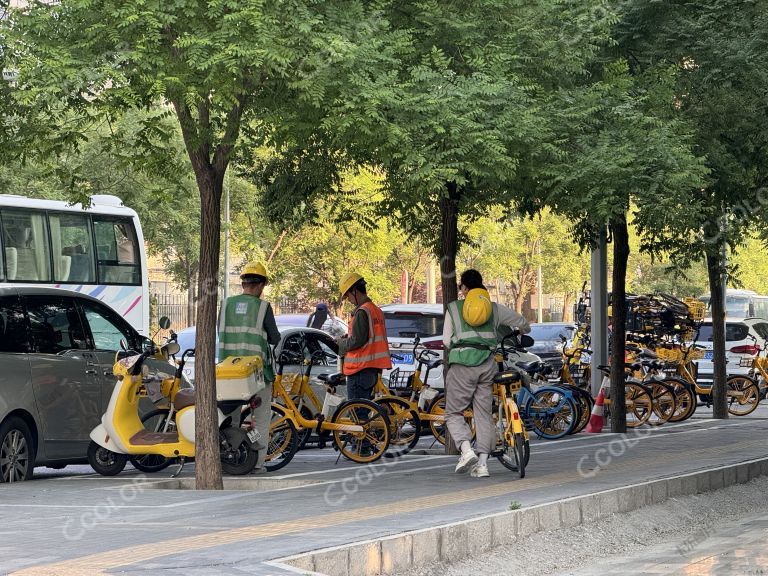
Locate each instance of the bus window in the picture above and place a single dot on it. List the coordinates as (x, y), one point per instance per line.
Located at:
(2, 254)
(761, 306)
(117, 251)
(26, 246)
(72, 245)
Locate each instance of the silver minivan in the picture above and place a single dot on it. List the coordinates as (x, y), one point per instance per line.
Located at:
(57, 349)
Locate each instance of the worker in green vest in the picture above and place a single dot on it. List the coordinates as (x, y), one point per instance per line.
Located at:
(470, 336)
(247, 327)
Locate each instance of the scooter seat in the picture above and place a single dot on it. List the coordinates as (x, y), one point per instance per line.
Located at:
(335, 379)
(184, 398)
(150, 438)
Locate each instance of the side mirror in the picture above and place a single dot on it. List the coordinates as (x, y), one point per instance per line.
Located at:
(526, 341)
(164, 323)
(172, 348)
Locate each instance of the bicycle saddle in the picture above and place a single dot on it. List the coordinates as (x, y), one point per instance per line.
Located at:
(530, 367)
(506, 377)
(335, 379)
(432, 364)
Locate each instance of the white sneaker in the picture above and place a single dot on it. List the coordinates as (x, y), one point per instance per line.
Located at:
(466, 461)
(479, 471)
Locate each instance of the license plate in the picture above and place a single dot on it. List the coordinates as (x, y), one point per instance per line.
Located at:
(253, 435)
(407, 358)
(708, 355)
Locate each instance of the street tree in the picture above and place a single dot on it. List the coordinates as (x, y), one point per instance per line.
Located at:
(624, 145)
(215, 67)
(720, 52)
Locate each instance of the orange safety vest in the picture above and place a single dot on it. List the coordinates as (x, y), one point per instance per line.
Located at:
(375, 352)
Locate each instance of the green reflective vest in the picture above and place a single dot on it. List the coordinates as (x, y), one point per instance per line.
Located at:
(481, 339)
(242, 332)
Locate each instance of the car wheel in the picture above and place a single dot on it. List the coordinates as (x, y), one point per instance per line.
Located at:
(17, 457)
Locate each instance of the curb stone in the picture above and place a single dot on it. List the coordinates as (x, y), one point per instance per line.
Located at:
(449, 542)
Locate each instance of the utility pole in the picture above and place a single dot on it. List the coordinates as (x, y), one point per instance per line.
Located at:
(599, 304)
(431, 286)
(539, 287)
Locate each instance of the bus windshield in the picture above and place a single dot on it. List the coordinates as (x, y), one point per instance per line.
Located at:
(98, 251)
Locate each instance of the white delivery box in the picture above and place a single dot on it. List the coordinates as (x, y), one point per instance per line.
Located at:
(239, 378)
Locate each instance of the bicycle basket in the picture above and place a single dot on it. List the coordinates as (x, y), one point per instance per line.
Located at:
(400, 379)
(577, 372)
(696, 307)
(291, 382)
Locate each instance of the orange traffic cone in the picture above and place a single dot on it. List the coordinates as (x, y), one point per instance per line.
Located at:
(596, 417)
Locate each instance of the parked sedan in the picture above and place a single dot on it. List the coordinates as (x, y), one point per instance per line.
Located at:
(743, 341)
(334, 326)
(304, 341)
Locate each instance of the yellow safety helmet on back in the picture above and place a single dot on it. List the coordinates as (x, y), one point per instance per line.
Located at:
(253, 269)
(347, 282)
(477, 307)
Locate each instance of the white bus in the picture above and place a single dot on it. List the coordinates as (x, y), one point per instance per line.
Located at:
(742, 304)
(98, 251)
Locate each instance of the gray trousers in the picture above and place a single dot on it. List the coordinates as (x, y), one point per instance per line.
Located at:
(262, 417)
(465, 386)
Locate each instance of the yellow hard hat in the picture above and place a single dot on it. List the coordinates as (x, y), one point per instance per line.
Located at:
(477, 307)
(254, 269)
(348, 281)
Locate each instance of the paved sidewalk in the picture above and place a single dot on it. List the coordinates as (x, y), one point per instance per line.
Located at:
(74, 522)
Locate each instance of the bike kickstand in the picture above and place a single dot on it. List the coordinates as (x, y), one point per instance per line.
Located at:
(182, 460)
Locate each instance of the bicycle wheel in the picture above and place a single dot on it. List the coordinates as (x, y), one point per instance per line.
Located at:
(437, 408)
(552, 413)
(156, 422)
(664, 403)
(373, 441)
(584, 403)
(404, 424)
(510, 446)
(639, 404)
(437, 428)
(685, 399)
(283, 439)
(743, 395)
(520, 454)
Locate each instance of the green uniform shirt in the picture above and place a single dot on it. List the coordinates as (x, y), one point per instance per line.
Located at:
(242, 330)
(471, 345)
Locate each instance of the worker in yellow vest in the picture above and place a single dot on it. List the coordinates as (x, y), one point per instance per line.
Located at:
(247, 327)
(365, 349)
(470, 336)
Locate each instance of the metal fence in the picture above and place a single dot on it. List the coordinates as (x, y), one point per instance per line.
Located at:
(174, 306)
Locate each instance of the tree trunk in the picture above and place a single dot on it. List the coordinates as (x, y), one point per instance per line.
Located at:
(447, 248)
(715, 273)
(619, 336)
(568, 307)
(207, 458)
(519, 300)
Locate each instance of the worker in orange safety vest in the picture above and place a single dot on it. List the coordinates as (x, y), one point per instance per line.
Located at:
(365, 349)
